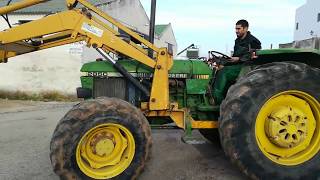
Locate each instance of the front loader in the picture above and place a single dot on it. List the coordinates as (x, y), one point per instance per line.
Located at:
(268, 123)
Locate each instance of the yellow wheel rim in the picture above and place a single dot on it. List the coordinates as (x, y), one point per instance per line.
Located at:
(287, 128)
(105, 151)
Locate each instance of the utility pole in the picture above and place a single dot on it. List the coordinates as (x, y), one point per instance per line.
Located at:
(152, 25)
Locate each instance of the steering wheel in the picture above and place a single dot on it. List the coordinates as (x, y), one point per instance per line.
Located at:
(215, 60)
(213, 54)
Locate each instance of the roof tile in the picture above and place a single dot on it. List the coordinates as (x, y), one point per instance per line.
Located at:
(160, 28)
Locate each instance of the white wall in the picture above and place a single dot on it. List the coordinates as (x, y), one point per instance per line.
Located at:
(130, 13)
(51, 69)
(307, 16)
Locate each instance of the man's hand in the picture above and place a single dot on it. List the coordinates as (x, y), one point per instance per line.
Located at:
(254, 55)
(235, 59)
(220, 67)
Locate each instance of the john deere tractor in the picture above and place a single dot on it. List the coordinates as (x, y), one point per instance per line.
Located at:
(268, 123)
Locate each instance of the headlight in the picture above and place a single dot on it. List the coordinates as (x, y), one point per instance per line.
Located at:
(83, 73)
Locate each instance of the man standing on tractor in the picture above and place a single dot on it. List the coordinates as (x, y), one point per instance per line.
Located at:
(243, 48)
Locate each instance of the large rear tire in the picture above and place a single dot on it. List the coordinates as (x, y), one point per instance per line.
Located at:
(101, 139)
(270, 122)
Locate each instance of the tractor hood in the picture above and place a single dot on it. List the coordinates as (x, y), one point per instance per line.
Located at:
(180, 68)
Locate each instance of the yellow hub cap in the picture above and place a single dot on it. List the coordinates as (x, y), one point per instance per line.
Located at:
(105, 151)
(287, 128)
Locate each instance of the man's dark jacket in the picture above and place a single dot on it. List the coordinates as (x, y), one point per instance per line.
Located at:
(243, 47)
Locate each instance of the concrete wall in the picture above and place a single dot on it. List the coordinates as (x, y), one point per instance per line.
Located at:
(313, 43)
(167, 37)
(307, 19)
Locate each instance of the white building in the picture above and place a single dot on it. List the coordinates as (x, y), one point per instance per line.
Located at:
(164, 37)
(307, 23)
(59, 68)
(132, 14)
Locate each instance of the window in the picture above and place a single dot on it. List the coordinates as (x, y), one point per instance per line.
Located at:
(297, 26)
(318, 17)
(170, 48)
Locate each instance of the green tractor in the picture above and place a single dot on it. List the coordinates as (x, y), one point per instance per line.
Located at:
(268, 123)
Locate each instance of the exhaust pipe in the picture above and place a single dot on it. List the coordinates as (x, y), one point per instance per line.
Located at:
(152, 25)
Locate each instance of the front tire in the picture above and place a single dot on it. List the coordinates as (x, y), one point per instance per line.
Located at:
(101, 139)
(270, 122)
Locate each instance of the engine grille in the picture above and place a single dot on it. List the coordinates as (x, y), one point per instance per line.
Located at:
(110, 87)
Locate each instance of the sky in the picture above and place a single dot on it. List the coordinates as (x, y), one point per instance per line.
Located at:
(210, 24)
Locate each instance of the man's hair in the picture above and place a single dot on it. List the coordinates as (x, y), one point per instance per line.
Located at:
(243, 23)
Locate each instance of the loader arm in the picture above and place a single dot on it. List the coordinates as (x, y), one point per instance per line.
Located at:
(92, 26)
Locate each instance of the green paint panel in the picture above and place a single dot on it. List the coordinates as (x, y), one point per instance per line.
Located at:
(199, 67)
(208, 108)
(197, 86)
(87, 82)
(105, 66)
(179, 67)
(190, 67)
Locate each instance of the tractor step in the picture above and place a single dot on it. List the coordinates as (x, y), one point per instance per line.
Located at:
(189, 139)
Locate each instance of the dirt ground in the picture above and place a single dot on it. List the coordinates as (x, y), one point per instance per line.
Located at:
(26, 128)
